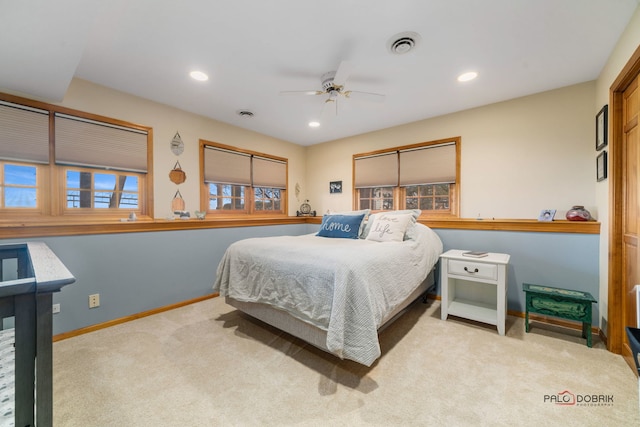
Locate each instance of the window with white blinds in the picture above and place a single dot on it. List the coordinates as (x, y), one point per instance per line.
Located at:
(241, 182)
(377, 170)
(269, 173)
(421, 176)
(57, 161)
(24, 133)
(428, 165)
(226, 167)
(90, 143)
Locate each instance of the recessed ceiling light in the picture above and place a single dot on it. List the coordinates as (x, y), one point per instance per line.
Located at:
(199, 75)
(314, 124)
(467, 76)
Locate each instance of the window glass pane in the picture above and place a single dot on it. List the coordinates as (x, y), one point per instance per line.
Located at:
(20, 175)
(16, 197)
(377, 198)
(412, 203)
(267, 199)
(226, 197)
(105, 182)
(131, 184)
(442, 203)
(426, 204)
(19, 185)
(442, 189)
(73, 179)
(86, 189)
(426, 190)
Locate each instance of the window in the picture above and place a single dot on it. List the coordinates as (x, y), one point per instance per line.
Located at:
(92, 165)
(88, 189)
(421, 176)
(242, 182)
(19, 186)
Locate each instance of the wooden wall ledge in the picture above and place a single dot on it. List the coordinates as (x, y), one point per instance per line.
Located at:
(44, 228)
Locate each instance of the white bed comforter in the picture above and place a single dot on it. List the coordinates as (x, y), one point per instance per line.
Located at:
(343, 286)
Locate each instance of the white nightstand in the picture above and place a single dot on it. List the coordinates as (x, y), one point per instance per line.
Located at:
(474, 288)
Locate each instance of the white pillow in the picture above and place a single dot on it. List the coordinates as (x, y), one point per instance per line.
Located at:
(415, 213)
(389, 227)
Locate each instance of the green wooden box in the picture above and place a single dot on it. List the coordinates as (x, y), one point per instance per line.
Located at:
(558, 302)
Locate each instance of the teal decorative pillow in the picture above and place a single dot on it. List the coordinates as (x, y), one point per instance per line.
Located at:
(341, 226)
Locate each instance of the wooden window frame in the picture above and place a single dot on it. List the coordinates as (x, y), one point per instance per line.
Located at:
(52, 182)
(249, 191)
(399, 194)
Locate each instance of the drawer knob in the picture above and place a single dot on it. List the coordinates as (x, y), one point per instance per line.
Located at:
(475, 270)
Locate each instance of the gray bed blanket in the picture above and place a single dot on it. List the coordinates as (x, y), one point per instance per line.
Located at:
(343, 286)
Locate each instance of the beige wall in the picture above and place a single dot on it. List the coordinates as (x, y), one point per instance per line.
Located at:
(627, 44)
(165, 121)
(518, 157)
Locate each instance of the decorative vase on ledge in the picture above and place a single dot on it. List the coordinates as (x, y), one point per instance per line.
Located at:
(578, 213)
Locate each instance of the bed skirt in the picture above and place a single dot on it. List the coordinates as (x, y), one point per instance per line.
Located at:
(312, 334)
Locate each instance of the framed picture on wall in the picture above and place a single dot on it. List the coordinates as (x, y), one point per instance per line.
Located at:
(601, 128)
(335, 187)
(601, 166)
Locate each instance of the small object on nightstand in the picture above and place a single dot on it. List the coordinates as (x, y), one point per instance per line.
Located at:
(475, 254)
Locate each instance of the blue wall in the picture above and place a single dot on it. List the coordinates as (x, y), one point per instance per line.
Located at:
(565, 260)
(136, 272)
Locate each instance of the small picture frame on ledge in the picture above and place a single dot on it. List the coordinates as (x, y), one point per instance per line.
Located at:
(547, 215)
(601, 166)
(601, 128)
(335, 187)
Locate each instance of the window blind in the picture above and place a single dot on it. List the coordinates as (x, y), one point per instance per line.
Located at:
(428, 165)
(377, 171)
(269, 173)
(226, 167)
(24, 133)
(83, 142)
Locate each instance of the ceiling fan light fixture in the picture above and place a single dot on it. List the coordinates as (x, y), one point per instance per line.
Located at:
(403, 42)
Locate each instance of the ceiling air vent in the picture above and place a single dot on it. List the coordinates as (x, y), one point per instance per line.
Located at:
(245, 114)
(403, 42)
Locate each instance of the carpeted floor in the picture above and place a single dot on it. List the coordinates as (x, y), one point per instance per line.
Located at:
(208, 365)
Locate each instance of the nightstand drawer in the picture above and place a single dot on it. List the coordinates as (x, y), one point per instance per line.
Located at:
(473, 269)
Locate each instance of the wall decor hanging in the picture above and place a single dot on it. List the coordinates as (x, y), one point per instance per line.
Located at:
(335, 187)
(177, 146)
(177, 175)
(601, 166)
(601, 128)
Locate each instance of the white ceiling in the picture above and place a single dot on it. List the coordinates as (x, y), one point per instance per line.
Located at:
(253, 49)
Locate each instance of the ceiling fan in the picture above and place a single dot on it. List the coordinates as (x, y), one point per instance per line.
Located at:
(333, 86)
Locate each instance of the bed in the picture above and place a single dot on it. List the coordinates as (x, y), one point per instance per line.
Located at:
(332, 291)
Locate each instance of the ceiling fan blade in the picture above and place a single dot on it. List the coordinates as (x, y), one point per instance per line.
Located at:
(365, 96)
(342, 73)
(329, 110)
(301, 92)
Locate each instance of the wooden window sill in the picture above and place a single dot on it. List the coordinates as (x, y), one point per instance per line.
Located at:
(44, 228)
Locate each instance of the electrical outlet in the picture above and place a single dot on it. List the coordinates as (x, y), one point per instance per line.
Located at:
(56, 308)
(94, 300)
